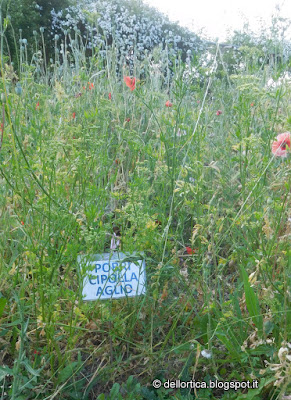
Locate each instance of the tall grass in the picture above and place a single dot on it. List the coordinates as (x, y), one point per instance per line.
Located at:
(75, 165)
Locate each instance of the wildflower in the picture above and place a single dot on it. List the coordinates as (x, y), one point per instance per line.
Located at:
(74, 115)
(218, 112)
(115, 241)
(91, 85)
(206, 354)
(22, 223)
(130, 82)
(184, 272)
(153, 223)
(84, 87)
(181, 133)
(78, 95)
(37, 105)
(168, 104)
(252, 104)
(189, 250)
(283, 368)
(127, 120)
(279, 147)
(109, 95)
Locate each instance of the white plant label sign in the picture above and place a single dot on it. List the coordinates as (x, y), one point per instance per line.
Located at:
(112, 276)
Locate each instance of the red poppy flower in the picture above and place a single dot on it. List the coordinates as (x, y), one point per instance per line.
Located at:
(130, 82)
(91, 85)
(22, 223)
(74, 115)
(252, 104)
(84, 87)
(219, 112)
(109, 96)
(279, 147)
(168, 104)
(189, 250)
(127, 120)
(37, 105)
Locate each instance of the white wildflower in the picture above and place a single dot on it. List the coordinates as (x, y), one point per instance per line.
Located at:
(206, 354)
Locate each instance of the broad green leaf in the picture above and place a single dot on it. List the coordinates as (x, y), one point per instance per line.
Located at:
(67, 372)
(115, 389)
(252, 302)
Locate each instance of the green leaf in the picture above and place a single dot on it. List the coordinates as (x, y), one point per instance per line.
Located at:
(237, 313)
(5, 371)
(115, 390)
(268, 327)
(3, 302)
(228, 344)
(5, 23)
(67, 372)
(252, 302)
(29, 368)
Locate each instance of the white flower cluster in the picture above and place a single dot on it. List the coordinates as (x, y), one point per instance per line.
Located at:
(132, 29)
